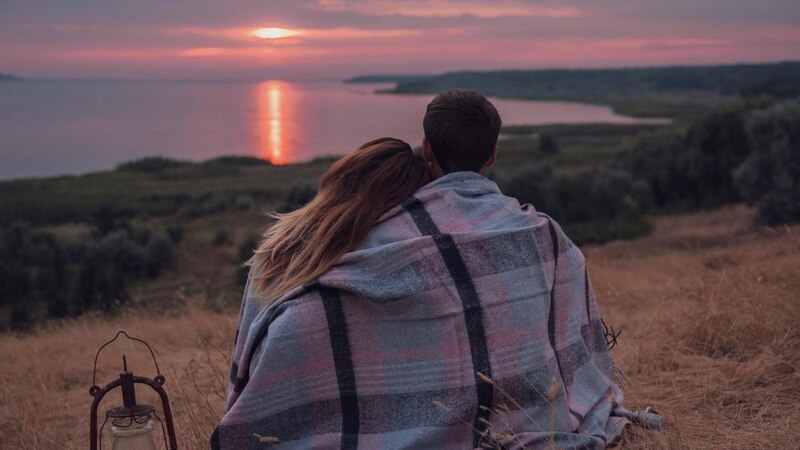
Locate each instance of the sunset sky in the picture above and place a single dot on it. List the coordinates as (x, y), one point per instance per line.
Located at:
(307, 39)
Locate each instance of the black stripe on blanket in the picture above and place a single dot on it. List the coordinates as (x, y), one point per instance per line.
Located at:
(473, 311)
(343, 362)
(563, 360)
(551, 320)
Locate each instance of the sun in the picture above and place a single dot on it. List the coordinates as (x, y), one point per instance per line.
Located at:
(275, 33)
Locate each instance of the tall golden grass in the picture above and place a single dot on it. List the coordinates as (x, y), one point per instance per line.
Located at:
(708, 305)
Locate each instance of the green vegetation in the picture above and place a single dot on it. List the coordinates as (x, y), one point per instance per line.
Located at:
(385, 78)
(602, 179)
(42, 273)
(747, 151)
(147, 234)
(770, 176)
(654, 92)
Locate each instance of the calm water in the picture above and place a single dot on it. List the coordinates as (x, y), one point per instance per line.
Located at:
(70, 127)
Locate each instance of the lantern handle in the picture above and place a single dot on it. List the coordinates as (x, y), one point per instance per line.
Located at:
(159, 377)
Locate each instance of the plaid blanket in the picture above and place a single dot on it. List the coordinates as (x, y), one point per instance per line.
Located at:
(463, 320)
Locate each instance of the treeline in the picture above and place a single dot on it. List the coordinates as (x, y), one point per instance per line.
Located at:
(69, 245)
(750, 152)
(78, 199)
(779, 80)
(45, 275)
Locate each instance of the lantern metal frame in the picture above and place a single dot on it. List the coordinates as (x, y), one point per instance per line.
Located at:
(126, 381)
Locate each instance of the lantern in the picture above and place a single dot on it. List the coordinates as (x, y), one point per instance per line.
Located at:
(131, 423)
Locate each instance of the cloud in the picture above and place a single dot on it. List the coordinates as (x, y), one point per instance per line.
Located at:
(451, 8)
(298, 35)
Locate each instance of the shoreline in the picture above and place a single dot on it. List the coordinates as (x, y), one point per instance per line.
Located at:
(508, 133)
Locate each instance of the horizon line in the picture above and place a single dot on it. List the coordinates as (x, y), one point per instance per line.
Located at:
(251, 79)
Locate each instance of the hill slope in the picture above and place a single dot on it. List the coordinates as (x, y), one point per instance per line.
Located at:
(707, 305)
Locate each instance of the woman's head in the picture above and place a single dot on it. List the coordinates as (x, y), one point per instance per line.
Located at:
(359, 188)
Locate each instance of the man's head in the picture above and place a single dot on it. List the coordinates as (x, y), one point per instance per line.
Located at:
(461, 129)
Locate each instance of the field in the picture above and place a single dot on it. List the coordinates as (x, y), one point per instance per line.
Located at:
(707, 305)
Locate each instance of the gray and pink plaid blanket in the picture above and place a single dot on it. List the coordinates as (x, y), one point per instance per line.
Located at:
(463, 320)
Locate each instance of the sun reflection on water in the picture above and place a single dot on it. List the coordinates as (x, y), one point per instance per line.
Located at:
(273, 125)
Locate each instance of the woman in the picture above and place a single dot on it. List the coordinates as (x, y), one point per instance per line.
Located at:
(359, 188)
(278, 346)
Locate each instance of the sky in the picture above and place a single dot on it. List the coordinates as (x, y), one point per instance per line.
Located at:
(322, 39)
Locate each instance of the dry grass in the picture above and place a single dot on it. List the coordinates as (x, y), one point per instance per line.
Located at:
(708, 307)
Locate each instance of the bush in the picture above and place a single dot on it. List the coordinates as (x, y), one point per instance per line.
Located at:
(216, 203)
(243, 202)
(104, 219)
(161, 254)
(770, 177)
(299, 194)
(175, 232)
(717, 145)
(221, 237)
(595, 206)
(548, 144)
(79, 273)
(150, 164)
(238, 160)
(21, 318)
(246, 249)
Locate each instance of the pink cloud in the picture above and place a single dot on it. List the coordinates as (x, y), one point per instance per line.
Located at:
(450, 8)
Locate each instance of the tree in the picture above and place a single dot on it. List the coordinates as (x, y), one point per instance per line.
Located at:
(548, 144)
(770, 177)
(717, 145)
(299, 194)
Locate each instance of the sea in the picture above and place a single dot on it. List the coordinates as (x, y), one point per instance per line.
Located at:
(70, 127)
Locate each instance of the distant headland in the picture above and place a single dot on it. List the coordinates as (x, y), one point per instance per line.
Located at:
(670, 91)
(386, 78)
(8, 77)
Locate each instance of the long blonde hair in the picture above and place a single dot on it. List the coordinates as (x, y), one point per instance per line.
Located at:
(303, 244)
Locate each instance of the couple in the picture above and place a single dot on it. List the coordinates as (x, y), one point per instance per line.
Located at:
(411, 304)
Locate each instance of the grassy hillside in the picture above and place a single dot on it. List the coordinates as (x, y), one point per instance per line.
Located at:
(656, 91)
(213, 212)
(706, 304)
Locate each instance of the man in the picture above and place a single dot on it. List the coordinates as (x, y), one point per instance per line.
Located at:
(464, 320)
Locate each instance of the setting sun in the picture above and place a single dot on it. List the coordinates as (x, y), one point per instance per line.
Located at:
(275, 33)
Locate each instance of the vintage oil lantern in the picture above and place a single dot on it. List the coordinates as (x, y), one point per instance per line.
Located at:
(131, 423)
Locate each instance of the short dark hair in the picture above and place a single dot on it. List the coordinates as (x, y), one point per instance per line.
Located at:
(462, 128)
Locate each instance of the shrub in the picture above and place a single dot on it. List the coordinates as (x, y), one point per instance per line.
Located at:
(221, 237)
(104, 219)
(243, 202)
(216, 203)
(238, 160)
(21, 318)
(532, 184)
(297, 196)
(150, 164)
(548, 144)
(246, 250)
(717, 145)
(770, 177)
(161, 254)
(175, 232)
(658, 159)
(593, 206)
